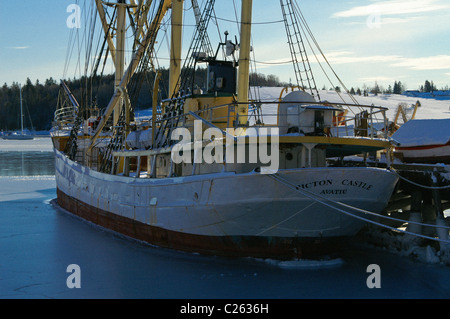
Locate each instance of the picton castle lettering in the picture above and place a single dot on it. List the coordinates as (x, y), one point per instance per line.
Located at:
(343, 185)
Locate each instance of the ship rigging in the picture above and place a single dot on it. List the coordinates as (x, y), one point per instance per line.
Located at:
(122, 173)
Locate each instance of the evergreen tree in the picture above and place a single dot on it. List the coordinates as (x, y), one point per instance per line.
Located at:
(398, 88)
(389, 89)
(376, 89)
(427, 86)
(433, 87)
(40, 100)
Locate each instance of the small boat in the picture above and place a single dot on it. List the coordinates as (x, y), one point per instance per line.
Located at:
(424, 141)
(20, 135)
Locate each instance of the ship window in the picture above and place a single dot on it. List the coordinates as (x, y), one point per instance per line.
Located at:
(319, 121)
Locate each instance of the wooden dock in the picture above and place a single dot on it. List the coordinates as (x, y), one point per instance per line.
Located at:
(418, 213)
(419, 207)
(421, 186)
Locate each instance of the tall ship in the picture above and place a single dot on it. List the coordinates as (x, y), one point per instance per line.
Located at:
(215, 169)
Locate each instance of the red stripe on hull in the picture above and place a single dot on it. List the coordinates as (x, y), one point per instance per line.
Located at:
(236, 246)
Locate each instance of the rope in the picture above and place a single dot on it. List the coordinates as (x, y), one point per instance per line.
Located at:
(321, 200)
(362, 210)
(419, 185)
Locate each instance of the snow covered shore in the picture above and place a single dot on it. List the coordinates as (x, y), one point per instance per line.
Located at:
(39, 144)
(430, 108)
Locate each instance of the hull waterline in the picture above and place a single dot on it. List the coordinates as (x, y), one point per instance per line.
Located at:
(226, 214)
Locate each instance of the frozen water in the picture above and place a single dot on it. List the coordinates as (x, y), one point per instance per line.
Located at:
(39, 241)
(39, 144)
(306, 263)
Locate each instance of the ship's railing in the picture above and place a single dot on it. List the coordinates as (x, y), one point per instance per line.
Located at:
(360, 122)
(64, 115)
(347, 120)
(341, 120)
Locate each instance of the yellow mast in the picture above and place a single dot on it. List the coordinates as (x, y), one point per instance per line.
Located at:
(244, 61)
(120, 53)
(105, 25)
(149, 40)
(175, 46)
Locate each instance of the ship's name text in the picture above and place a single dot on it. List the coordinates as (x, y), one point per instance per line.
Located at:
(330, 182)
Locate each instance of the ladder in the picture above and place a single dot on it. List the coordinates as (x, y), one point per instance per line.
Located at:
(206, 43)
(302, 67)
(116, 144)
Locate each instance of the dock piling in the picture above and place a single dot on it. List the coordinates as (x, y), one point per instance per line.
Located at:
(415, 215)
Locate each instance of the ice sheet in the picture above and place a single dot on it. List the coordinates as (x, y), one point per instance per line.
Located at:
(14, 188)
(43, 144)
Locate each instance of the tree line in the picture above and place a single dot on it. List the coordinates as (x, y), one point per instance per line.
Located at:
(397, 88)
(376, 89)
(40, 99)
(39, 103)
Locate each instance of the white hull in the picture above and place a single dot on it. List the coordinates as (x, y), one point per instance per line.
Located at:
(232, 205)
(225, 207)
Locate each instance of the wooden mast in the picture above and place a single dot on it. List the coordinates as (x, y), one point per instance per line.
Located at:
(175, 46)
(120, 53)
(244, 62)
(148, 41)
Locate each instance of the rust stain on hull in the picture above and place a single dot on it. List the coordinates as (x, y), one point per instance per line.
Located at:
(236, 246)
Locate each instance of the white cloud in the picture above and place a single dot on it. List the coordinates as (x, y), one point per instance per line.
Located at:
(344, 57)
(377, 79)
(386, 21)
(438, 62)
(394, 7)
(19, 48)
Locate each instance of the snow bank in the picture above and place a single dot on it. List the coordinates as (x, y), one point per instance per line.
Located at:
(408, 246)
(431, 108)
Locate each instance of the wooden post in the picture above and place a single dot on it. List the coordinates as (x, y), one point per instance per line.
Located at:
(126, 166)
(442, 233)
(415, 214)
(437, 197)
(138, 168)
(149, 166)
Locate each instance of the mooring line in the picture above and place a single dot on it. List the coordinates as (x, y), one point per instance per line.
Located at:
(362, 210)
(419, 185)
(321, 200)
